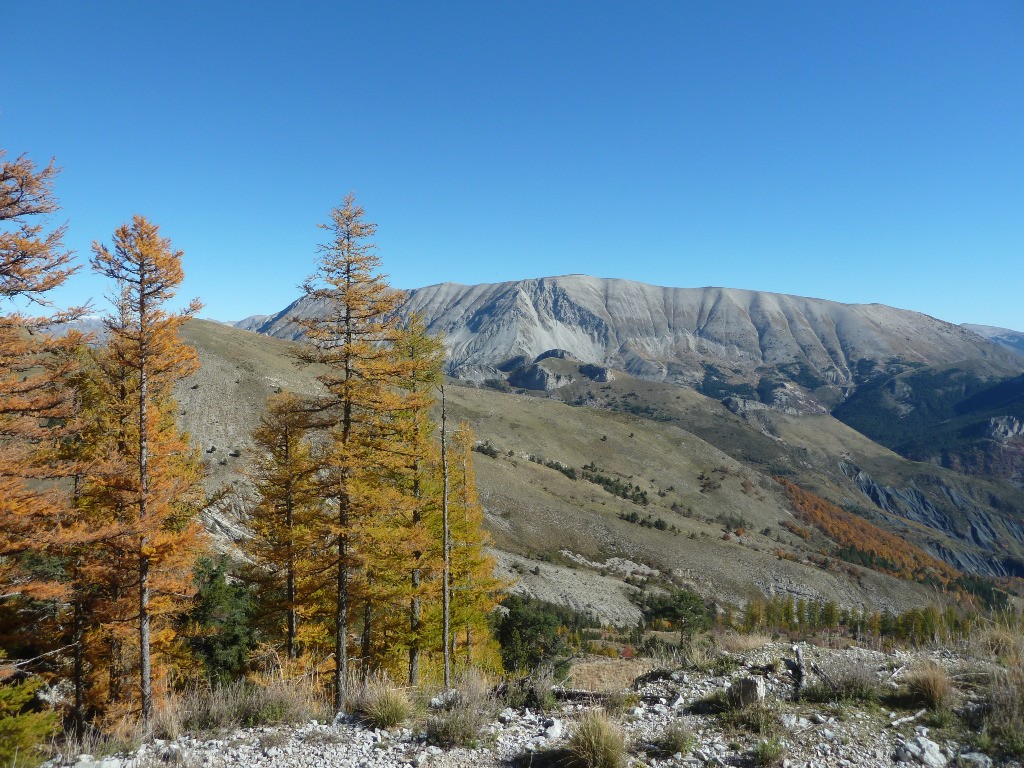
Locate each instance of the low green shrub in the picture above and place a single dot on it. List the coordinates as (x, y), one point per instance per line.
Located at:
(675, 738)
(768, 752)
(463, 714)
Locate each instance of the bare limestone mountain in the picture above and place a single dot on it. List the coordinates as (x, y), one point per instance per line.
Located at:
(764, 346)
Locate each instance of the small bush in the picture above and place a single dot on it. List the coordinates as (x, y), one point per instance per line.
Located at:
(930, 685)
(486, 449)
(761, 718)
(676, 738)
(462, 715)
(769, 752)
(528, 633)
(535, 691)
(597, 742)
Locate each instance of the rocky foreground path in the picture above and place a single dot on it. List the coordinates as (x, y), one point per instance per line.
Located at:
(812, 734)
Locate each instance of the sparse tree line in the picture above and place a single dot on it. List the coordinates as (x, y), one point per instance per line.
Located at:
(367, 552)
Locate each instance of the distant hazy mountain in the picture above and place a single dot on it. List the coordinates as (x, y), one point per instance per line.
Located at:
(89, 324)
(1004, 336)
(719, 340)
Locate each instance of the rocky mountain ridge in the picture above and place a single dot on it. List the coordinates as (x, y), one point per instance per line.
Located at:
(1010, 339)
(742, 342)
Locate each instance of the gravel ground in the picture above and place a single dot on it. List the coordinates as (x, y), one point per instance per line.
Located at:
(813, 734)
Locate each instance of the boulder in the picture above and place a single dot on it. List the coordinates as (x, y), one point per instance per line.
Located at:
(974, 760)
(921, 751)
(747, 691)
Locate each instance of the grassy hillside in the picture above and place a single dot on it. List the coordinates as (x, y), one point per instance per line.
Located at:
(975, 523)
(666, 481)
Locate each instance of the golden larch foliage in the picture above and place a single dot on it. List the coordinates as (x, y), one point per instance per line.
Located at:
(352, 339)
(157, 496)
(284, 549)
(36, 404)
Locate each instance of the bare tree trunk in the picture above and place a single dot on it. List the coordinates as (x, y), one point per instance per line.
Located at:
(341, 623)
(367, 629)
(290, 586)
(145, 670)
(118, 673)
(78, 716)
(415, 610)
(446, 547)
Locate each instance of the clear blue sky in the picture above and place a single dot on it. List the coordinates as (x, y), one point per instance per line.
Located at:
(855, 151)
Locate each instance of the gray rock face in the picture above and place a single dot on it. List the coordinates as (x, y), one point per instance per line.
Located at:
(1005, 428)
(974, 760)
(978, 529)
(672, 334)
(538, 377)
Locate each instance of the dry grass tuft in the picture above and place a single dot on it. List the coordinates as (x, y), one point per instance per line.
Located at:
(245, 703)
(122, 738)
(381, 704)
(734, 642)
(597, 742)
(846, 682)
(618, 703)
(1005, 718)
(700, 653)
(607, 675)
(1001, 642)
(930, 685)
(762, 718)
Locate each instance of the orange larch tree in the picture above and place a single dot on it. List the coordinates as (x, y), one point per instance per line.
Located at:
(424, 358)
(474, 589)
(283, 548)
(35, 402)
(352, 338)
(158, 498)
